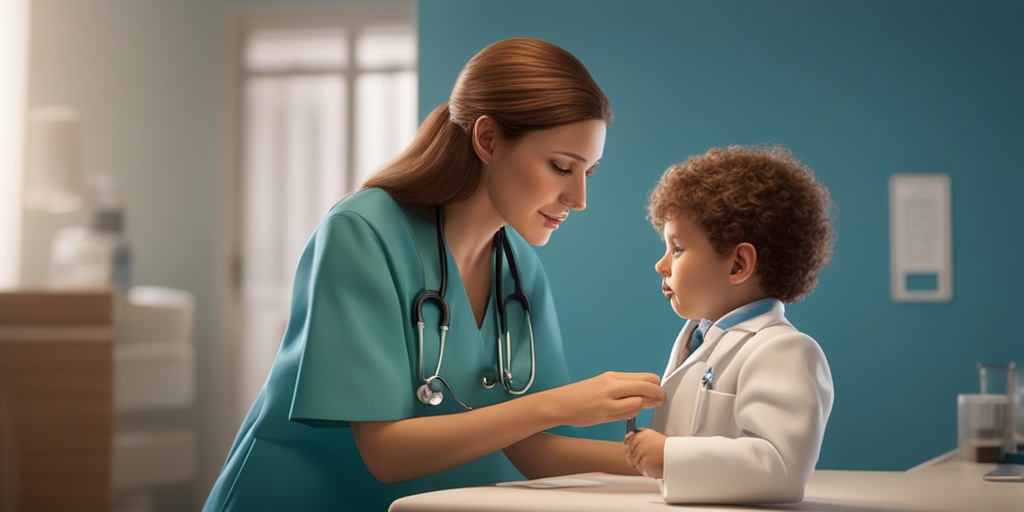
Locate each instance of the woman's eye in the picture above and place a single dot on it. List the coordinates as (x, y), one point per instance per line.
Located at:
(560, 170)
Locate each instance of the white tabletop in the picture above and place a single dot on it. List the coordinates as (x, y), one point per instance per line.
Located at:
(947, 487)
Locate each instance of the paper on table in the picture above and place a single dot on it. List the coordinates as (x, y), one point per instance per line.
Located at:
(553, 483)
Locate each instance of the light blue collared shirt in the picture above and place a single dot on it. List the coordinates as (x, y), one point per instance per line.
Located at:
(743, 313)
(731, 319)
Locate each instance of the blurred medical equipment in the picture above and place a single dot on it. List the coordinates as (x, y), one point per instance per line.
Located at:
(97, 254)
(429, 393)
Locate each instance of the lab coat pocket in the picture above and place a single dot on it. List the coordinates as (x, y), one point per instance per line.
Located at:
(714, 414)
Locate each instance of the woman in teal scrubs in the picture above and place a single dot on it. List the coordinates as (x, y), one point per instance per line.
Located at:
(338, 424)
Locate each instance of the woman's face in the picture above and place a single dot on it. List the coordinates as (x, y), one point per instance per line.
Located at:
(534, 181)
(695, 277)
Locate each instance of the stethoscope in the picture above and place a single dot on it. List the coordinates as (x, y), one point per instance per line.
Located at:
(430, 391)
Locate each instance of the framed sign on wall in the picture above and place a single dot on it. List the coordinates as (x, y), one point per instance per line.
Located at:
(920, 234)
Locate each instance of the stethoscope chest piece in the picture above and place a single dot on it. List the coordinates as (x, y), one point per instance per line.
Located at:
(429, 394)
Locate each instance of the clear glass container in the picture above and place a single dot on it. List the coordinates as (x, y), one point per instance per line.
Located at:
(96, 255)
(1005, 380)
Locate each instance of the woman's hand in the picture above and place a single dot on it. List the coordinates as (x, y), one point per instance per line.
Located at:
(611, 396)
(645, 450)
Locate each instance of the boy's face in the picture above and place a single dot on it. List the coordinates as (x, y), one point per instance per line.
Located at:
(695, 277)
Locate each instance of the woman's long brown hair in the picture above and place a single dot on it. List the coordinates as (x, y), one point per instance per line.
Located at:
(523, 84)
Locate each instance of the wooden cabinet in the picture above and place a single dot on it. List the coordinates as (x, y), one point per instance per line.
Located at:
(56, 401)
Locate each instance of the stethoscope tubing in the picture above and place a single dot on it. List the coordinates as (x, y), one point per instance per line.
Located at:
(505, 372)
(426, 392)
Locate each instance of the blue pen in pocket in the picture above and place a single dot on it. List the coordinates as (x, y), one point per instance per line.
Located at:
(708, 378)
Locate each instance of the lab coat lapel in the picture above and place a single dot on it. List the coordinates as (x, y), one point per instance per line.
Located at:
(733, 337)
(679, 349)
(729, 341)
(677, 367)
(718, 343)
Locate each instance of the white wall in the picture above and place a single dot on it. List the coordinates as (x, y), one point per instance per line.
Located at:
(149, 78)
(13, 60)
(144, 76)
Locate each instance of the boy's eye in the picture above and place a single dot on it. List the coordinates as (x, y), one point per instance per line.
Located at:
(677, 250)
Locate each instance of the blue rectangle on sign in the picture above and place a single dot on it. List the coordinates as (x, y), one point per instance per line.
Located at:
(922, 282)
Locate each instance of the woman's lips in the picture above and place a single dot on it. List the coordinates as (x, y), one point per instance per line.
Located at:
(553, 222)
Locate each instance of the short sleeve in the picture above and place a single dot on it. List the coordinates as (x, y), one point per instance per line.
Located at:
(354, 361)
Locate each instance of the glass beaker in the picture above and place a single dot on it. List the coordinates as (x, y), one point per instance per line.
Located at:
(983, 427)
(998, 379)
(1003, 379)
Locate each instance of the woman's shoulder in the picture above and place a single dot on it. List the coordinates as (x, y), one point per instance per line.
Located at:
(367, 202)
(379, 211)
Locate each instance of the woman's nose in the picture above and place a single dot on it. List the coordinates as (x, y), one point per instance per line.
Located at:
(576, 195)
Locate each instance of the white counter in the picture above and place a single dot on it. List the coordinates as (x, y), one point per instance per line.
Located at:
(951, 486)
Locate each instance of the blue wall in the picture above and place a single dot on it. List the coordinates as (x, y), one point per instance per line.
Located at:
(859, 90)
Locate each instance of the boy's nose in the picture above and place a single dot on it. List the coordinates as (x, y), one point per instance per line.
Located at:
(661, 268)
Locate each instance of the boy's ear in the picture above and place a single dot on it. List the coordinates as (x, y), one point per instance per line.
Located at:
(484, 135)
(744, 261)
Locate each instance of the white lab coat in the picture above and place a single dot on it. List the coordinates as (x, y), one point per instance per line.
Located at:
(755, 436)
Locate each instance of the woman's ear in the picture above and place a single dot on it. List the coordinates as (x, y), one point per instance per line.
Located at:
(744, 261)
(484, 136)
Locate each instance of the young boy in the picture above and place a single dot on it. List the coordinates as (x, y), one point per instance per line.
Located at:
(747, 395)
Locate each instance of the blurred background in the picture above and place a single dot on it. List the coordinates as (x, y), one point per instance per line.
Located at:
(230, 126)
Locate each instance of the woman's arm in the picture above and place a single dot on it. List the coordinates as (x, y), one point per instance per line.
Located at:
(400, 450)
(543, 455)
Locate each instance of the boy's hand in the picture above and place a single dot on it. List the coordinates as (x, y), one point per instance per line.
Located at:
(645, 451)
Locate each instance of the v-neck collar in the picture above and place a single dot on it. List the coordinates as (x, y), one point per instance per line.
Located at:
(458, 298)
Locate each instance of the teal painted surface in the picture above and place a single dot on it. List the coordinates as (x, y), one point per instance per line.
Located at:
(859, 90)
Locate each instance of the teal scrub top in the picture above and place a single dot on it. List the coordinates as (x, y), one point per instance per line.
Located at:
(350, 353)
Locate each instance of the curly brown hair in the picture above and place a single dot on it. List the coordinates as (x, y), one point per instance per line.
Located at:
(760, 195)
